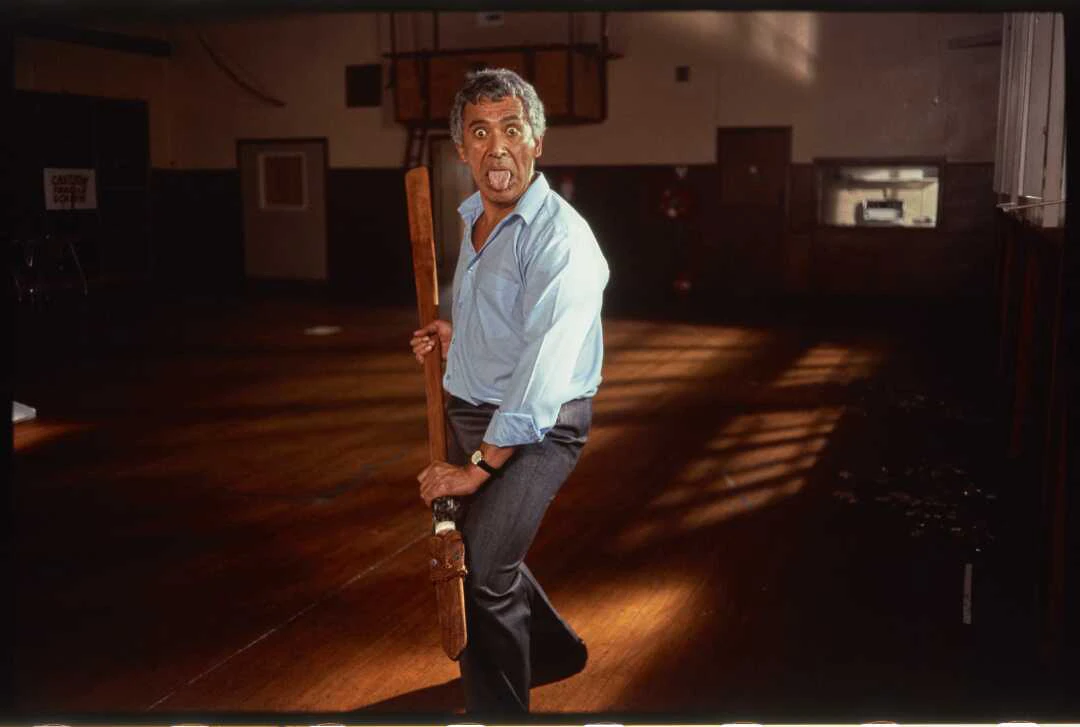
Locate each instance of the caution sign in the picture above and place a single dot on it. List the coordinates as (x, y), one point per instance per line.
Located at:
(70, 189)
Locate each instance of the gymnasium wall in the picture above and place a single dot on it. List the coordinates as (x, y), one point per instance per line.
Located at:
(849, 84)
(55, 67)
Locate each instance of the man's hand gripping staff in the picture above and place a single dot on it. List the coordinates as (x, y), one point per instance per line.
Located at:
(440, 480)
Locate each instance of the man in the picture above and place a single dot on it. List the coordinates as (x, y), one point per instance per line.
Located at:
(523, 361)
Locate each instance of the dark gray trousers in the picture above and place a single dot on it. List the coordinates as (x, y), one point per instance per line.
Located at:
(506, 609)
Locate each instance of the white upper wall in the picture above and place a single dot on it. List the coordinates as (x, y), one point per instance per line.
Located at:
(299, 59)
(850, 84)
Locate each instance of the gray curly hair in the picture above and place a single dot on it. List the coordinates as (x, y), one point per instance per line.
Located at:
(495, 84)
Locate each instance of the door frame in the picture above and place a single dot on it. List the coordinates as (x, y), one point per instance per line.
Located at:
(325, 141)
(429, 151)
(444, 246)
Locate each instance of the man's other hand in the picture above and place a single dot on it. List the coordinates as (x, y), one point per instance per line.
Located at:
(424, 339)
(440, 479)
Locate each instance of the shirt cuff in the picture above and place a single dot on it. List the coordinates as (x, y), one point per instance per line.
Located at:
(508, 429)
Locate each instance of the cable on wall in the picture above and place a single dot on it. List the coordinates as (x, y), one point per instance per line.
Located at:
(225, 68)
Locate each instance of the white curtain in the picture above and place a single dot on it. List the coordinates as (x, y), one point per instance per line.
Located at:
(1029, 165)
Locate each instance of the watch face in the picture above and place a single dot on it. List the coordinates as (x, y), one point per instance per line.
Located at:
(476, 457)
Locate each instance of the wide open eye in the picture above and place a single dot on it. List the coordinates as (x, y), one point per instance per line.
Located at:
(480, 133)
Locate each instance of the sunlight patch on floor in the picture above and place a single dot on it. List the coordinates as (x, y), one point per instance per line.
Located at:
(829, 364)
(756, 460)
(649, 609)
(31, 434)
(645, 371)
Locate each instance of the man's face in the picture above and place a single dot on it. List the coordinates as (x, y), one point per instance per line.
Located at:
(500, 148)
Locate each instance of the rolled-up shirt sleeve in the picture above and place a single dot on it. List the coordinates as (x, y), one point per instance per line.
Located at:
(563, 293)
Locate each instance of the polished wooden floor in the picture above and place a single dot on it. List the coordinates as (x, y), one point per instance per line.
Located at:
(217, 512)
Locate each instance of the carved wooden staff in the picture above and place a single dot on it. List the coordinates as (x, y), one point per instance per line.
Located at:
(446, 546)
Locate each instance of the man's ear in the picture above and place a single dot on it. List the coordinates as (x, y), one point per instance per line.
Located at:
(539, 146)
(461, 152)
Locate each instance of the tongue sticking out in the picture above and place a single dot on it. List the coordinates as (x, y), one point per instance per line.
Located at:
(499, 179)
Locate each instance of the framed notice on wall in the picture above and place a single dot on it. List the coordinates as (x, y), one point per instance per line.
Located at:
(70, 189)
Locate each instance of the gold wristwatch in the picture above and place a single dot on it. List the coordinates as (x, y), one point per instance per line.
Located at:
(477, 459)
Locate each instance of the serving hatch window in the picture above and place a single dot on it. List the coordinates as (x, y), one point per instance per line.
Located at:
(878, 194)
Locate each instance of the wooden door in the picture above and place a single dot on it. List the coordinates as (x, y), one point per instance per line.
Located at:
(283, 184)
(752, 207)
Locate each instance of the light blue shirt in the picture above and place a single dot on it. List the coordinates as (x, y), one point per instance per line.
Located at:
(527, 334)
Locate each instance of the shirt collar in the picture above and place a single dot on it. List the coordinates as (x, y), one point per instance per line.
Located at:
(527, 208)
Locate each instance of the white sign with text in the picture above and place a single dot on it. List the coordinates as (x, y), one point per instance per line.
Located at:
(70, 189)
